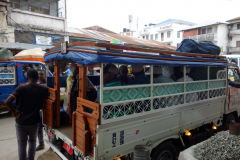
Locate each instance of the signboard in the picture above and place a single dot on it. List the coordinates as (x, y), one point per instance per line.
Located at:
(42, 40)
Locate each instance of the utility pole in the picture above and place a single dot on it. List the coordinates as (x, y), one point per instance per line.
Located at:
(137, 23)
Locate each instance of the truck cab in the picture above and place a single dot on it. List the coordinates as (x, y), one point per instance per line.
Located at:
(12, 75)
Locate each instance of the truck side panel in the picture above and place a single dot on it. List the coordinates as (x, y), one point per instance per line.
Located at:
(116, 137)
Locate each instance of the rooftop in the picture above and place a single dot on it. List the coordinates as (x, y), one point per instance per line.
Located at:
(92, 35)
(99, 29)
(173, 20)
(237, 18)
(203, 24)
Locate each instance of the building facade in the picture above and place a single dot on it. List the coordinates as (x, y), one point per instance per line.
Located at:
(39, 23)
(234, 36)
(216, 32)
(165, 32)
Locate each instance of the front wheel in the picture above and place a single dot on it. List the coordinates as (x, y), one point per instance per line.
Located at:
(165, 151)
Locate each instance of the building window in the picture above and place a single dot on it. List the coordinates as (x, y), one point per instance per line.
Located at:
(238, 26)
(209, 30)
(204, 31)
(151, 36)
(178, 44)
(143, 37)
(168, 34)
(238, 43)
(147, 37)
(156, 37)
(178, 34)
(162, 36)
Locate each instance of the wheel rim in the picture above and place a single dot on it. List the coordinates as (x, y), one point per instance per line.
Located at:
(165, 155)
(230, 119)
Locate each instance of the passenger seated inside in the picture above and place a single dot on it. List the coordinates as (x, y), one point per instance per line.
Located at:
(191, 97)
(26, 68)
(73, 89)
(180, 77)
(110, 72)
(139, 75)
(123, 74)
(158, 77)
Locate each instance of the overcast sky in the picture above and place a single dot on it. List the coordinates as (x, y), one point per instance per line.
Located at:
(113, 14)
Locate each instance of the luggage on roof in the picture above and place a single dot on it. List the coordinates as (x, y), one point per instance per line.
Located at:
(190, 46)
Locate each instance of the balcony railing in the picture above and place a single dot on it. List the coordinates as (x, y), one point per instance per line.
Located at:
(203, 37)
(234, 49)
(234, 32)
(145, 31)
(159, 29)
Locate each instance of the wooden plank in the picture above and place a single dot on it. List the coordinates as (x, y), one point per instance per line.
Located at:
(57, 88)
(4, 4)
(73, 128)
(85, 43)
(115, 46)
(159, 58)
(52, 93)
(82, 82)
(82, 103)
(80, 133)
(48, 115)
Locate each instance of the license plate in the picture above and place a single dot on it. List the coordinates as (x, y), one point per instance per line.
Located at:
(68, 148)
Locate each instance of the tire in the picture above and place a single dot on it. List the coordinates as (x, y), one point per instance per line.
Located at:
(230, 117)
(165, 151)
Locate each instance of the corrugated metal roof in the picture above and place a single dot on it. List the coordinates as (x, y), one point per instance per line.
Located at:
(22, 46)
(237, 18)
(203, 24)
(173, 20)
(84, 33)
(100, 29)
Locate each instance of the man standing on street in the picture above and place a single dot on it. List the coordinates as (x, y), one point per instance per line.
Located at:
(42, 81)
(29, 99)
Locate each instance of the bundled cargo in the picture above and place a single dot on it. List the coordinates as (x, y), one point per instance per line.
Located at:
(5, 54)
(190, 46)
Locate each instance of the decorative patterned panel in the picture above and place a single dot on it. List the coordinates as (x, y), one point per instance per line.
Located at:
(196, 86)
(217, 84)
(168, 89)
(120, 110)
(221, 74)
(169, 101)
(125, 94)
(138, 107)
(217, 93)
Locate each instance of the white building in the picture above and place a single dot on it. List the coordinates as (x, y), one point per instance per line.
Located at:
(216, 32)
(234, 36)
(165, 32)
(32, 23)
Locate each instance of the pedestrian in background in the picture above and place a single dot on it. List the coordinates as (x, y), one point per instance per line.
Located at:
(42, 81)
(29, 99)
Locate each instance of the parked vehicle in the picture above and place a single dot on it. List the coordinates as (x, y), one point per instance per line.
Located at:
(11, 76)
(161, 115)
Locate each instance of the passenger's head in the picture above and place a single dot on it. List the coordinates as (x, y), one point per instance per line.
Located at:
(137, 69)
(42, 75)
(32, 75)
(110, 71)
(27, 68)
(157, 71)
(123, 71)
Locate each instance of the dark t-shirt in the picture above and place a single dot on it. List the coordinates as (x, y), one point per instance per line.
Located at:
(30, 98)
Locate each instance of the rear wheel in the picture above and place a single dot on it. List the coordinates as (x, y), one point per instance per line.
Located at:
(165, 151)
(230, 118)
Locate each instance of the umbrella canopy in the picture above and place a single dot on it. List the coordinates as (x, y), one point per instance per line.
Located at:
(30, 55)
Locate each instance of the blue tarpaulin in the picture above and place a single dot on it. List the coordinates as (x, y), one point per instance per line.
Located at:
(86, 58)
